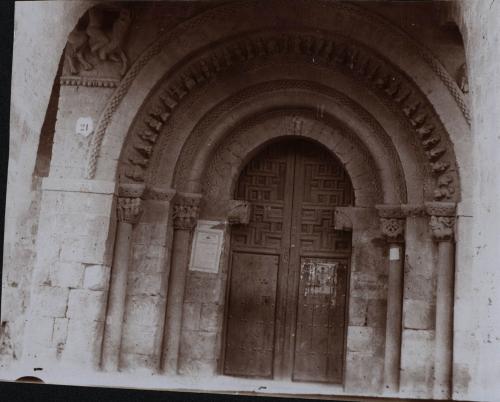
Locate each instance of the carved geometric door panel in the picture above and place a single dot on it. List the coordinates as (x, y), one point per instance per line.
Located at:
(287, 292)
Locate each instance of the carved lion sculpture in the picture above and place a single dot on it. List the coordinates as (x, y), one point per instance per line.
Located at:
(96, 40)
(113, 50)
(77, 43)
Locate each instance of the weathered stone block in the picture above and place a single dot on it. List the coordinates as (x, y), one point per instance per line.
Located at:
(50, 301)
(417, 362)
(363, 372)
(144, 309)
(203, 287)
(96, 277)
(191, 316)
(418, 314)
(139, 339)
(83, 343)
(198, 345)
(85, 304)
(197, 367)
(368, 285)
(60, 331)
(67, 274)
(377, 313)
(366, 340)
(358, 311)
(146, 283)
(211, 318)
(38, 333)
(136, 363)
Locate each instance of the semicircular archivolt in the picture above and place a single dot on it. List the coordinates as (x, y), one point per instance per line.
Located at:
(320, 48)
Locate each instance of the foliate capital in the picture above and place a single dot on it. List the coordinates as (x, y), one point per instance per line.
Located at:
(129, 209)
(442, 227)
(186, 210)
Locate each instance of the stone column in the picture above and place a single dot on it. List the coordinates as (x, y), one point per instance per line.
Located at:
(185, 215)
(442, 223)
(392, 227)
(128, 213)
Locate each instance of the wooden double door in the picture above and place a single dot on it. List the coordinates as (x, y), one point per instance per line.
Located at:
(286, 304)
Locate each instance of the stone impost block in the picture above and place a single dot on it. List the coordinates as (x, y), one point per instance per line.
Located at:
(49, 301)
(86, 305)
(96, 277)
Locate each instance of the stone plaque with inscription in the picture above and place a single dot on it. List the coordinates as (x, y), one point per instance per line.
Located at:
(207, 246)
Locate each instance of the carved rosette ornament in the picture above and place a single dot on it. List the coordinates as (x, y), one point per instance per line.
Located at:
(392, 222)
(129, 210)
(442, 221)
(186, 210)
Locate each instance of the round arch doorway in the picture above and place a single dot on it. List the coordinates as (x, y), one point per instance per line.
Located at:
(287, 290)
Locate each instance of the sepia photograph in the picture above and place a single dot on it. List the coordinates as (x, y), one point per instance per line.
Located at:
(275, 198)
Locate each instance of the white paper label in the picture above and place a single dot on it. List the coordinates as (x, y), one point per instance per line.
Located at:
(394, 253)
(84, 126)
(207, 246)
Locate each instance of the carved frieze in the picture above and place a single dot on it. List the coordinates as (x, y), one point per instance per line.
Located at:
(331, 52)
(186, 210)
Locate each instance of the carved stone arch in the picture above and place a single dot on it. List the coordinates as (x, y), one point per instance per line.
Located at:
(299, 100)
(395, 92)
(245, 141)
(378, 35)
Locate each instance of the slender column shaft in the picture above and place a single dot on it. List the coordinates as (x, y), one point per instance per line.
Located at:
(394, 316)
(175, 299)
(129, 210)
(393, 227)
(442, 224)
(116, 300)
(444, 321)
(185, 214)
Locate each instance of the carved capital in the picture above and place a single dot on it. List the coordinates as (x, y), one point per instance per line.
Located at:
(129, 209)
(393, 229)
(186, 210)
(442, 227)
(239, 212)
